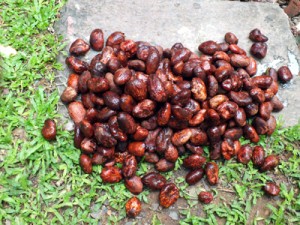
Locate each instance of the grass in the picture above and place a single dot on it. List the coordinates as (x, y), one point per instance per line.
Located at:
(42, 183)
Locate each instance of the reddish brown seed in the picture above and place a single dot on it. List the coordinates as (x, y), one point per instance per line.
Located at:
(181, 137)
(77, 65)
(97, 39)
(88, 145)
(230, 38)
(212, 173)
(164, 114)
(164, 166)
(115, 38)
(79, 47)
(49, 130)
(252, 67)
(271, 189)
(154, 180)
(171, 154)
(259, 50)
(265, 110)
(194, 176)
(227, 110)
(76, 111)
(240, 117)
(140, 134)
(237, 60)
(215, 150)
(194, 161)
(151, 157)
(129, 166)
(152, 61)
(270, 163)
(244, 155)
(129, 47)
(258, 156)
(111, 174)
(137, 88)
(228, 149)
(98, 84)
(156, 89)
(208, 47)
(144, 109)
(205, 197)
(134, 185)
(73, 81)
(86, 128)
(284, 74)
(136, 148)
(133, 207)
(198, 137)
(86, 163)
(168, 195)
(122, 76)
(271, 125)
(263, 81)
(198, 89)
(242, 98)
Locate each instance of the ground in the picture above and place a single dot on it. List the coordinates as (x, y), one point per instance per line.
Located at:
(41, 182)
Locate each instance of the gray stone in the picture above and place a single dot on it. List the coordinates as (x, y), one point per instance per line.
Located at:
(189, 22)
(174, 215)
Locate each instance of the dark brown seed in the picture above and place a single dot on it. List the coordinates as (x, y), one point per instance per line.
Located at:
(205, 197)
(126, 123)
(78, 137)
(86, 163)
(154, 180)
(133, 207)
(49, 130)
(97, 39)
(115, 130)
(194, 149)
(96, 67)
(144, 109)
(258, 156)
(86, 128)
(240, 117)
(271, 189)
(151, 157)
(111, 174)
(194, 176)
(103, 136)
(137, 88)
(284, 74)
(98, 84)
(260, 125)
(256, 36)
(259, 50)
(168, 195)
(164, 114)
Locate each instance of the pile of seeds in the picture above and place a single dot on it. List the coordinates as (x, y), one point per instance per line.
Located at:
(140, 102)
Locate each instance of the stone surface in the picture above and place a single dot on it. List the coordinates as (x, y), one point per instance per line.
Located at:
(189, 22)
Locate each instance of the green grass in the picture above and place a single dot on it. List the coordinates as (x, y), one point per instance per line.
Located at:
(42, 183)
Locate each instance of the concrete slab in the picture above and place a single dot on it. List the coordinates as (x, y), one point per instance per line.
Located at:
(190, 22)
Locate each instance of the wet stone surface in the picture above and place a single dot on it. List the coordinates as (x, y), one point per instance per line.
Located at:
(189, 22)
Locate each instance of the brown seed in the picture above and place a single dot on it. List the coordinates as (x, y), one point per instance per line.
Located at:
(97, 39)
(194, 176)
(258, 156)
(237, 60)
(86, 128)
(115, 38)
(133, 207)
(194, 161)
(156, 89)
(212, 173)
(77, 65)
(140, 134)
(86, 163)
(244, 155)
(271, 189)
(250, 133)
(79, 47)
(270, 163)
(284, 74)
(134, 185)
(205, 197)
(256, 36)
(242, 98)
(164, 114)
(198, 137)
(198, 89)
(49, 130)
(137, 88)
(259, 50)
(136, 148)
(208, 47)
(152, 61)
(181, 137)
(171, 153)
(194, 149)
(227, 110)
(168, 195)
(230, 38)
(163, 139)
(111, 174)
(126, 123)
(122, 76)
(154, 180)
(76, 111)
(164, 166)
(97, 67)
